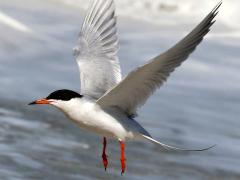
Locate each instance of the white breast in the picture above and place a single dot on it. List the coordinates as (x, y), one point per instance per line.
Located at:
(88, 115)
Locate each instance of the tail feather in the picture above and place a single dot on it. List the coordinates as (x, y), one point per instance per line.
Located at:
(168, 147)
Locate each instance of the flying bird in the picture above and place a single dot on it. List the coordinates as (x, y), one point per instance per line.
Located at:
(108, 103)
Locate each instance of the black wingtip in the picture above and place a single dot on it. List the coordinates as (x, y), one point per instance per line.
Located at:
(217, 6)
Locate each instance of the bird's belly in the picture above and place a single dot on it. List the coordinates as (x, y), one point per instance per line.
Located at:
(101, 123)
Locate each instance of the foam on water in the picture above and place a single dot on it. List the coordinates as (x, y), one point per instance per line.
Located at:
(171, 11)
(15, 24)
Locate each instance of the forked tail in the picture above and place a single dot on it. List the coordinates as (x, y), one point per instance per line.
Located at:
(168, 147)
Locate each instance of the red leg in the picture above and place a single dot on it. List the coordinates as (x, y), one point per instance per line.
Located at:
(123, 160)
(104, 156)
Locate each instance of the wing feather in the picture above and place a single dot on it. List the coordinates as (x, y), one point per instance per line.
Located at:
(96, 51)
(134, 90)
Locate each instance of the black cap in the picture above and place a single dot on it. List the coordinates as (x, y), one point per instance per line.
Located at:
(64, 95)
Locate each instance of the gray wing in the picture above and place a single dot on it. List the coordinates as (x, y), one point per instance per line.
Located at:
(97, 48)
(134, 90)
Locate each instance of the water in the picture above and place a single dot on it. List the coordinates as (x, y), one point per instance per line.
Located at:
(197, 107)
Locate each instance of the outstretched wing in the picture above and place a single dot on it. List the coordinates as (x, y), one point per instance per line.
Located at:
(134, 90)
(97, 48)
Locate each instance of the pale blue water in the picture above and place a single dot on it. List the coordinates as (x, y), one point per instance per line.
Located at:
(197, 107)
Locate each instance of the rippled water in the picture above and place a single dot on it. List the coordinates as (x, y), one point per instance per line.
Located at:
(198, 106)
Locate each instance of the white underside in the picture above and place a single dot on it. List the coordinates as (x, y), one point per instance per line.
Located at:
(111, 122)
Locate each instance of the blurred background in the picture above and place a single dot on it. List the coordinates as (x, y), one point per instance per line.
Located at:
(198, 106)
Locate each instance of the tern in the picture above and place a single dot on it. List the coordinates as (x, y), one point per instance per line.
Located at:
(108, 103)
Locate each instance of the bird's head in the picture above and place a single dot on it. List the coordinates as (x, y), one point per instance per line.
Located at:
(59, 98)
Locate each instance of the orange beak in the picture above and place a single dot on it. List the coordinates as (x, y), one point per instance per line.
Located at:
(40, 101)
